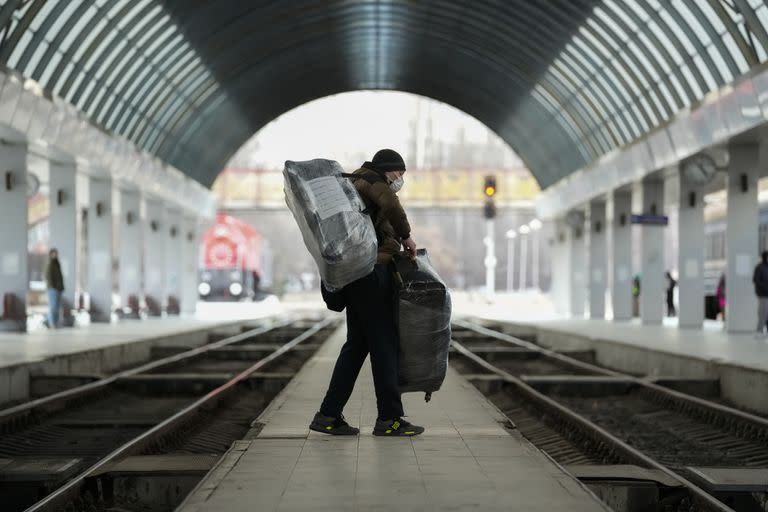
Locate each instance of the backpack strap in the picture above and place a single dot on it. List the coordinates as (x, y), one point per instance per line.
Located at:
(370, 178)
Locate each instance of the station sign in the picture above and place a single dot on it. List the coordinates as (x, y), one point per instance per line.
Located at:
(650, 220)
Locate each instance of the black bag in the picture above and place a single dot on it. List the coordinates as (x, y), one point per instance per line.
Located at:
(424, 324)
(333, 300)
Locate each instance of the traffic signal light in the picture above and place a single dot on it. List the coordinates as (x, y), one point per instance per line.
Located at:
(489, 190)
(490, 186)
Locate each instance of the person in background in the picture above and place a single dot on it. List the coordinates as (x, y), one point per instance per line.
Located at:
(54, 281)
(256, 280)
(370, 304)
(760, 280)
(720, 294)
(671, 283)
(636, 295)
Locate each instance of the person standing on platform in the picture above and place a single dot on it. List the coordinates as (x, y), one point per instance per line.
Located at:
(54, 281)
(760, 280)
(720, 295)
(370, 305)
(671, 283)
(636, 295)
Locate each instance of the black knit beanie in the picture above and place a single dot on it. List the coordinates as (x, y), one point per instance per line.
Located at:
(386, 160)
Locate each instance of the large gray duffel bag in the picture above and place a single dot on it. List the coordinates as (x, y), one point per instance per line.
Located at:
(331, 215)
(424, 324)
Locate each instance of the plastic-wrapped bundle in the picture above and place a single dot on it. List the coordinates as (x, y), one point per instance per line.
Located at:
(329, 212)
(424, 324)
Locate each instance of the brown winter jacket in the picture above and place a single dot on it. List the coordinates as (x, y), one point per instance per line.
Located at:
(388, 216)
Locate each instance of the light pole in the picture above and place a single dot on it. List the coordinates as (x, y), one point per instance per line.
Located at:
(490, 258)
(524, 230)
(511, 235)
(535, 226)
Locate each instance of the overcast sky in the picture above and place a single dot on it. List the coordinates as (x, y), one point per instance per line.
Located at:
(347, 126)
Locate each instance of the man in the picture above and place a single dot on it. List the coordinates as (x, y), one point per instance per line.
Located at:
(760, 280)
(54, 280)
(369, 302)
(671, 283)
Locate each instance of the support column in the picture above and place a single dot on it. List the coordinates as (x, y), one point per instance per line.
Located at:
(621, 292)
(100, 274)
(62, 223)
(130, 252)
(578, 265)
(154, 257)
(690, 263)
(14, 272)
(597, 260)
(561, 269)
(191, 261)
(741, 239)
(652, 280)
(174, 260)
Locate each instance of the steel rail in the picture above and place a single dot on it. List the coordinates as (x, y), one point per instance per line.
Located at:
(59, 400)
(71, 490)
(680, 398)
(561, 358)
(703, 499)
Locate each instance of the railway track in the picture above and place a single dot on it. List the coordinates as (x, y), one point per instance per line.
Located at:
(153, 429)
(594, 417)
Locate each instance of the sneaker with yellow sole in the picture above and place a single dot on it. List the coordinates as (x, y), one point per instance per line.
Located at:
(396, 427)
(334, 426)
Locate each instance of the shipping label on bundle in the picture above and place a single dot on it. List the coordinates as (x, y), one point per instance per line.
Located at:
(328, 196)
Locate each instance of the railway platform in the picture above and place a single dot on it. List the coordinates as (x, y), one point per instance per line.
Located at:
(469, 457)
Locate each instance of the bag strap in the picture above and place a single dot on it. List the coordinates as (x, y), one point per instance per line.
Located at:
(367, 177)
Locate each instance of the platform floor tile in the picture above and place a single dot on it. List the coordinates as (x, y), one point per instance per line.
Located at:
(466, 460)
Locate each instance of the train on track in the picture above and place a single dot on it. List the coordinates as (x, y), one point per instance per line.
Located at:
(715, 252)
(232, 255)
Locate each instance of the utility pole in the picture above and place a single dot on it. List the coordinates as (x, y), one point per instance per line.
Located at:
(489, 211)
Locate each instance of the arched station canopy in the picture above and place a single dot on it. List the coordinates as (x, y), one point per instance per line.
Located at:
(562, 81)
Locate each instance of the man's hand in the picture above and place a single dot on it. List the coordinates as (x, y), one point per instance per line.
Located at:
(410, 247)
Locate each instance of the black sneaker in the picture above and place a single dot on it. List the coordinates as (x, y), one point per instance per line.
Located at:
(396, 427)
(334, 426)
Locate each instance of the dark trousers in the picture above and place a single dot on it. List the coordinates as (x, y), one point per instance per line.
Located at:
(370, 329)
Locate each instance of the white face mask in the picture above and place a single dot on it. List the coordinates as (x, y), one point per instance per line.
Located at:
(397, 184)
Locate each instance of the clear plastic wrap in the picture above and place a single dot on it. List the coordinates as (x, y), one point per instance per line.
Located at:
(329, 212)
(424, 324)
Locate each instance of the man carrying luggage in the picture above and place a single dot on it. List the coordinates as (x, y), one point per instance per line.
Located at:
(369, 302)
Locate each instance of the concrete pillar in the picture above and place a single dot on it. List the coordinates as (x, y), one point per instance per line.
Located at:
(690, 262)
(597, 259)
(174, 259)
(190, 265)
(129, 267)
(14, 272)
(741, 238)
(100, 273)
(154, 256)
(62, 222)
(621, 292)
(561, 270)
(652, 280)
(578, 265)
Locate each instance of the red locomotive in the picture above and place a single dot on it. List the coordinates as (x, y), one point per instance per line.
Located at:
(231, 253)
